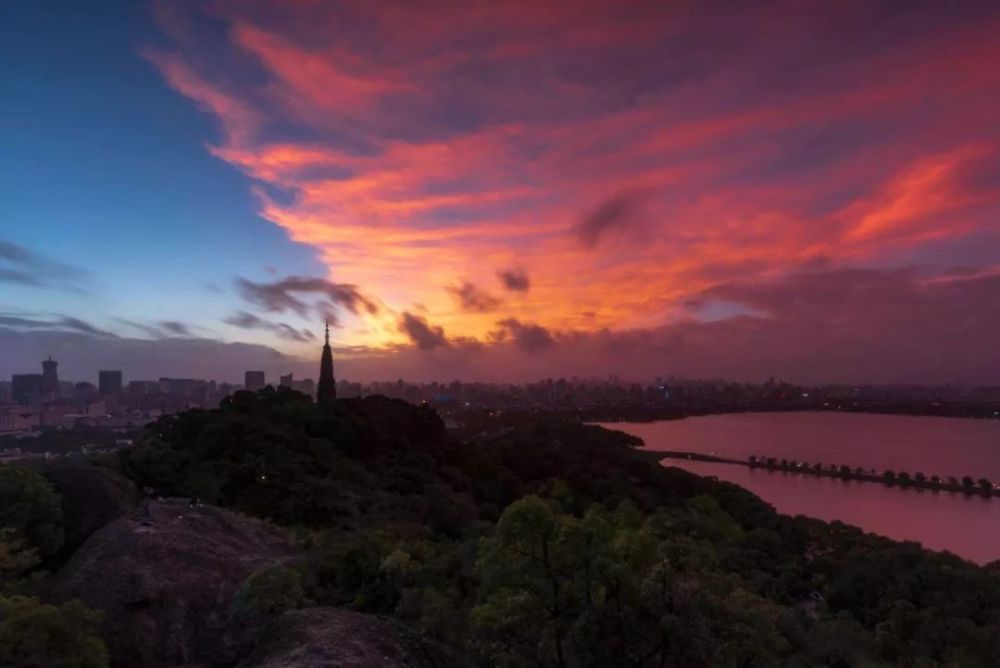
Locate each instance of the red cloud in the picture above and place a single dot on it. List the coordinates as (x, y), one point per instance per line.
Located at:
(421, 147)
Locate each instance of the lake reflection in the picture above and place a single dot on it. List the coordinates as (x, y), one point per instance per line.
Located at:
(965, 525)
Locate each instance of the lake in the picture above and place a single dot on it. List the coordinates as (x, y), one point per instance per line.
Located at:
(968, 526)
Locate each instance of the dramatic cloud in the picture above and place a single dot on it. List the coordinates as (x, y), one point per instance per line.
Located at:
(515, 279)
(416, 146)
(529, 337)
(473, 298)
(26, 268)
(245, 320)
(613, 215)
(291, 293)
(876, 326)
(423, 335)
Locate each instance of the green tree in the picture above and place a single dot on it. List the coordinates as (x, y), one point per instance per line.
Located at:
(30, 519)
(267, 593)
(153, 463)
(35, 635)
(16, 556)
(528, 574)
(603, 590)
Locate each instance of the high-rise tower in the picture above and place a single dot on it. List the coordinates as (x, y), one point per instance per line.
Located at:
(327, 388)
(50, 377)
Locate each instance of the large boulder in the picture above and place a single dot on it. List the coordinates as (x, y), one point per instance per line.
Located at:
(165, 576)
(92, 496)
(320, 637)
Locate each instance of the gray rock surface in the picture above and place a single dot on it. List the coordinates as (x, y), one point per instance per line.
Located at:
(92, 496)
(330, 637)
(164, 577)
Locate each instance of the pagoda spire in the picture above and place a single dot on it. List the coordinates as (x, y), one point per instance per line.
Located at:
(327, 388)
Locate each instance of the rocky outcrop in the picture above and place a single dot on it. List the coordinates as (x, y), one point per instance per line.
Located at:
(320, 637)
(165, 576)
(92, 496)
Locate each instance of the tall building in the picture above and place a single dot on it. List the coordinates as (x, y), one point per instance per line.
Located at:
(254, 380)
(327, 388)
(110, 383)
(287, 381)
(307, 387)
(50, 377)
(26, 388)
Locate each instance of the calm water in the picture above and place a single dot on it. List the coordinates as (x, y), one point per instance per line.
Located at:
(967, 526)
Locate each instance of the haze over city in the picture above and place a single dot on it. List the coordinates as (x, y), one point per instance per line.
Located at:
(502, 191)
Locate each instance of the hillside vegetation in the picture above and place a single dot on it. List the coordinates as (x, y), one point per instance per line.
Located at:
(546, 543)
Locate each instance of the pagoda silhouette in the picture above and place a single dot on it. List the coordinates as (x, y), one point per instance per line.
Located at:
(327, 388)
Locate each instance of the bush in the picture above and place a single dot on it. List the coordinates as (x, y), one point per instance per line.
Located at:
(30, 520)
(35, 635)
(267, 593)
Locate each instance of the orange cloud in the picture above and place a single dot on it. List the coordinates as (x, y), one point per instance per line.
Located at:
(422, 148)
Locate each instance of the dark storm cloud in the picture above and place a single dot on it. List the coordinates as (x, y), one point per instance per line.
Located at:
(610, 217)
(473, 298)
(25, 267)
(423, 335)
(291, 294)
(245, 320)
(527, 336)
(515, 279)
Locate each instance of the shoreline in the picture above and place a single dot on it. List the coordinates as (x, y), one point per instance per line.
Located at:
(789, 410)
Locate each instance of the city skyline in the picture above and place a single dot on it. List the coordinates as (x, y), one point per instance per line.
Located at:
(502, 192)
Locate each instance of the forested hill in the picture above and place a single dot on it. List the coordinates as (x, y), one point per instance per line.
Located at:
(556, 544)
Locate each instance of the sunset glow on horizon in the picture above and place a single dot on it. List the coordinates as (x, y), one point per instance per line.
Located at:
(512, 189)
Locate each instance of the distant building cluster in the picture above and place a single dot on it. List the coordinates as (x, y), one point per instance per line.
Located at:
(34, 401)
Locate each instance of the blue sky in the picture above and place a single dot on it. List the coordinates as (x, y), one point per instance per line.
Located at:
(105, 168)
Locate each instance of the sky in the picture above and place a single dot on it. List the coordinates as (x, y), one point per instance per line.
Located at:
(502, 190)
